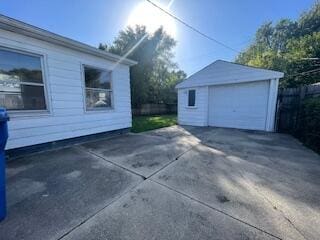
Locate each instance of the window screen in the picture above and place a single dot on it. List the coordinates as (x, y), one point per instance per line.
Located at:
(21, 81)
(191, 98)
(98, 88)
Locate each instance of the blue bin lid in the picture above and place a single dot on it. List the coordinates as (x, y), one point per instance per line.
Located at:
(3, 115)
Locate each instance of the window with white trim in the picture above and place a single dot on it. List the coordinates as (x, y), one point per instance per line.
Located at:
(192, 98)
(21, 81)
(98, 87)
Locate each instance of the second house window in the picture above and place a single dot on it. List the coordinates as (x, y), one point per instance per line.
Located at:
(98, 87)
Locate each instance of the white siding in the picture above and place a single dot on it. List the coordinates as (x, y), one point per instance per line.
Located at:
(196, 116)
(64, 81)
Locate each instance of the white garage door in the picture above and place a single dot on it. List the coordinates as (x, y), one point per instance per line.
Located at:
(242, 105)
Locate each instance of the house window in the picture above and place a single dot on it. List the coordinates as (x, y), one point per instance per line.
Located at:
(98, 87)
(191, 98)
(21, 81)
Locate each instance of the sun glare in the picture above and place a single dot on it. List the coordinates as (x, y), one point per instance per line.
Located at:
(146, 14)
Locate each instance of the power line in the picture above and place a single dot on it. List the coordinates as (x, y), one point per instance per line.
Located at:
(209, 54)
(317, 70)
(223, 44)
(192, 28)
(311, 59)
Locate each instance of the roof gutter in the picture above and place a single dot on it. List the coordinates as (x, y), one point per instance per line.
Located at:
(12, 25)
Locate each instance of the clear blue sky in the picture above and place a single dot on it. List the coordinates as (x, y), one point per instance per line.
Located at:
(233, 22)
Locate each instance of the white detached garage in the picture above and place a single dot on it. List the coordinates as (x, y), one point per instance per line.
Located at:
(231, 95)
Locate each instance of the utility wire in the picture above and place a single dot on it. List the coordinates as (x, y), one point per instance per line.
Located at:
(209, 54)
(192, 28)
(317, 70)
(221, 43)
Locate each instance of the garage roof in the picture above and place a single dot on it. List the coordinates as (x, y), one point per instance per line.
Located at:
(223, 72)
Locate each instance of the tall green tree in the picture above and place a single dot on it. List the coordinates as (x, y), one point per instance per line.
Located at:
(288, 46)
(154, 77)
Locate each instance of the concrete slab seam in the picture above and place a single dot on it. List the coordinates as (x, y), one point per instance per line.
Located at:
(98, 211)
(169, 163)
(215, 209)
(149, 178)
(104, 159)
(256, 188)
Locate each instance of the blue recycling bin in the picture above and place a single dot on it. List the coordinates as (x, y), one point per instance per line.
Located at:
(4, 118)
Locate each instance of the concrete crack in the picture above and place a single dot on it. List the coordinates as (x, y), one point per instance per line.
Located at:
(215, 209)
(126, 192)
(281, 212)
(173, 160)
(256, 188)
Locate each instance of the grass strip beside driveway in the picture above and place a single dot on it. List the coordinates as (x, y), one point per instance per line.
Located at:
(145, 123)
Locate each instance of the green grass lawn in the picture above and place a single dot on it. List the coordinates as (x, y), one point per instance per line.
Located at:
(145, 123)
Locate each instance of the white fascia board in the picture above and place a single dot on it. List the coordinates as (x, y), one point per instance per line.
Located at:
(12, 25)
(189, 84)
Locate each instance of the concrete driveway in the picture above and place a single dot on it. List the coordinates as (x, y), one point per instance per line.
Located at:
(172, 183)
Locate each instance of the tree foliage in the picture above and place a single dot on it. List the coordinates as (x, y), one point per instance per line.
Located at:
(288, 46)
(154, 77)
(309, 131)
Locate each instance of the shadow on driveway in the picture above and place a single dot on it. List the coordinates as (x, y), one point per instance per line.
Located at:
(171, 183)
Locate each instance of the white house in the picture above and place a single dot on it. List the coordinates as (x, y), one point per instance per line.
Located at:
(231, 95)
(56, 88)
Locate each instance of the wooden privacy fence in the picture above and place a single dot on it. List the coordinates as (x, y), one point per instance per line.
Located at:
(290, 105)
(298, 113)
(155, 109)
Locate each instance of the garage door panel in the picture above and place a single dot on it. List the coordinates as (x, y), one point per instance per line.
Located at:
(239, 105)
(239, 124)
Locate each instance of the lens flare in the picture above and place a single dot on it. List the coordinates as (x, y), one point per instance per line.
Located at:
(146, 14)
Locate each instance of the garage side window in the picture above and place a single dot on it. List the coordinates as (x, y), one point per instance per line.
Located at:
(191, 98)
(21, 81)
(98, 87)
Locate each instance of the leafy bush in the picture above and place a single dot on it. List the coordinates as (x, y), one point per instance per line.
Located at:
(309, 131)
